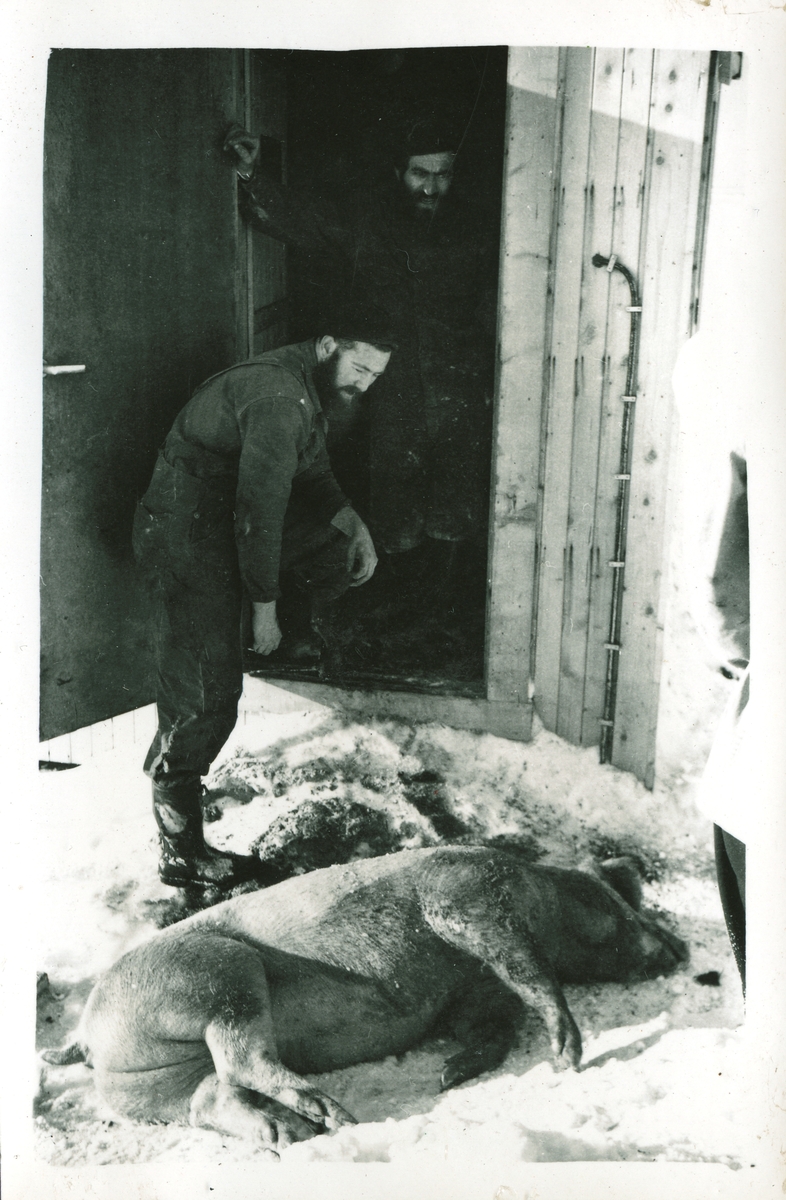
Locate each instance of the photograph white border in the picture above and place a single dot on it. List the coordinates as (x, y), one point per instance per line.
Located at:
(27, 32)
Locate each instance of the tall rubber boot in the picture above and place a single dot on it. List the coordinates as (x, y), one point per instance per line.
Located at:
(185, 858)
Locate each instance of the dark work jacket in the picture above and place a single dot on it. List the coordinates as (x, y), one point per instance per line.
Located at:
(437, 280)
(259, 426)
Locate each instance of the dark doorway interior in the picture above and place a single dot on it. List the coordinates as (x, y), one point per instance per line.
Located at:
(419, 624)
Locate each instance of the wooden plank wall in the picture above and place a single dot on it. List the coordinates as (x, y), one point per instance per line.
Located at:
(679, 86)
(628, 172)
(135, 728)
(632, 83)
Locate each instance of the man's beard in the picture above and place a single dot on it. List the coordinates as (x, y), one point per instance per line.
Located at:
(419, 207)
(324, 374)
(421, 204)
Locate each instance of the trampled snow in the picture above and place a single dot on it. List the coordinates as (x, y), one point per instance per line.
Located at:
(663, 1074)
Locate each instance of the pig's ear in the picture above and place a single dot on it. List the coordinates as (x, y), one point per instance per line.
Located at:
(624, 876)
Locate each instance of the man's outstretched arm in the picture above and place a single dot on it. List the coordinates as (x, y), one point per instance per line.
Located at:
(286, 213)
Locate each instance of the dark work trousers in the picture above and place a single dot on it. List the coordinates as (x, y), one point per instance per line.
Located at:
(184, 544)
(730, 868)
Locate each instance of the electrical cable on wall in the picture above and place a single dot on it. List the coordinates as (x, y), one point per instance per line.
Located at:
(617, 564)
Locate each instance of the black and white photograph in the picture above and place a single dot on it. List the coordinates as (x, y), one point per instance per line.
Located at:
(400, 756)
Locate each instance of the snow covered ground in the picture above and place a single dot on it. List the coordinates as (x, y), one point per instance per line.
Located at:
(663, 1070)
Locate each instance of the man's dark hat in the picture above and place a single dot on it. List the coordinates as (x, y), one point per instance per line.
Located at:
(361, 321)
(428, 133)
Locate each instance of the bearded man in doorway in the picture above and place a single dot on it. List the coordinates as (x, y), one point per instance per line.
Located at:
(243, 492)
(421, 247)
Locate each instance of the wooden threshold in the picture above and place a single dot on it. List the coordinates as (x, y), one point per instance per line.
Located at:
(514, 720)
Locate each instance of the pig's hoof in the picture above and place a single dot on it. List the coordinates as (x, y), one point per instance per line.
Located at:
(567, 1044)
(291, 1127)
(459, 1068)
(316, 1107)
(468, 1064)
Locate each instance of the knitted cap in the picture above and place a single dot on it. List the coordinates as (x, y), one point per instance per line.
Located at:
(428, 133)
(361, 321)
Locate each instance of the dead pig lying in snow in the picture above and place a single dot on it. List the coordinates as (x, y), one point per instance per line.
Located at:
(216, 1019)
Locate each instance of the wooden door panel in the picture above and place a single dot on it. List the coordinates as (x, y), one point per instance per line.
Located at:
(141, 250)
(562, 376)
(531, 146)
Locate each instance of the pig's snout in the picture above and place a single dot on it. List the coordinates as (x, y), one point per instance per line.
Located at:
(663, 951)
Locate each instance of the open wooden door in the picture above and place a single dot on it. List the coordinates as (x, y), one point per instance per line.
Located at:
(144, 294)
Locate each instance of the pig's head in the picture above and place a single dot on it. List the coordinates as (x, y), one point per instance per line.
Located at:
(662, 950)
(604, 936)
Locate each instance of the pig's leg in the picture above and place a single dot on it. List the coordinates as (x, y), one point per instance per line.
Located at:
(245, 1056)
(231, 990)
(243, 1113)
(484, 1021)
(475, 911)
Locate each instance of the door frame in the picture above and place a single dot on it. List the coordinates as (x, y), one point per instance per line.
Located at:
(546, 633)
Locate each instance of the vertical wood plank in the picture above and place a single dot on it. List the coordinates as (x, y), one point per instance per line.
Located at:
(595, 287)
(81, 744)
(561, 375)
(57, 749)
(268, 117)
(136, 728)
(676, 132)
(524, 277)
(247, 94)
(243, 265)
(626, 243)
(143, 725)
(102, 737)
